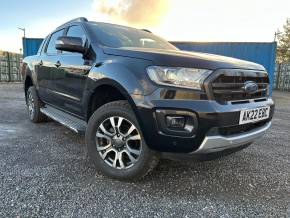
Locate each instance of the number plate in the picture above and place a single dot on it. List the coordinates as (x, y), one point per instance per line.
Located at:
(254, 115)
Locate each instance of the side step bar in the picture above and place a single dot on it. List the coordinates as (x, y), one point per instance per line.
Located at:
(72, 122)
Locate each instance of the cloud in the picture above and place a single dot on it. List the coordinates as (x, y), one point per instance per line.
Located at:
(135, 12)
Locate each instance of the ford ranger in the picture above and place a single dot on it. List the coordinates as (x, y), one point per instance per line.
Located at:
(137, 98)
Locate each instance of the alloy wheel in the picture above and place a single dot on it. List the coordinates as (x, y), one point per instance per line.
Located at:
(118, 142)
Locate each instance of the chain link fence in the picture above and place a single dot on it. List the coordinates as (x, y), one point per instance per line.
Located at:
(282, 77)
(10, 67)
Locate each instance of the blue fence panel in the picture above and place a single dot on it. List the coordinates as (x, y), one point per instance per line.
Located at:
(30, 46)
(258, 52)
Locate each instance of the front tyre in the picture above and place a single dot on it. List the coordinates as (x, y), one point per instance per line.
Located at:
(34, 104)
(116, 145)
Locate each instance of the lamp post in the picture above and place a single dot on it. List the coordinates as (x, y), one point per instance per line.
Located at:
(23, 29)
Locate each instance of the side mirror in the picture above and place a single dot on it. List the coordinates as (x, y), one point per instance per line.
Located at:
(69, 43)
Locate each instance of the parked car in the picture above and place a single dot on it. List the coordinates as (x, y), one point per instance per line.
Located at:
(138, 98)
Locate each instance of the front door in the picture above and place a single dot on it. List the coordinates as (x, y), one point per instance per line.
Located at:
(73, 69)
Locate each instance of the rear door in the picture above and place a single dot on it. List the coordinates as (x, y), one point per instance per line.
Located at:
(47, 73)
(73, 69)
(38, 68)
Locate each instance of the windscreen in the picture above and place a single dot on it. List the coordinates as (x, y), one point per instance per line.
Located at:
(116, 36)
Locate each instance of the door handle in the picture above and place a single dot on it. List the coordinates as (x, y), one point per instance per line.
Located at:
(57, 64)
(40, 63)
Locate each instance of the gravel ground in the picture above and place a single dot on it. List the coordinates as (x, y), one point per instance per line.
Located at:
(44, 173)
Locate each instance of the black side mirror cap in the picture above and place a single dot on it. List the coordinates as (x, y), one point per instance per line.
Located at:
(71, 44)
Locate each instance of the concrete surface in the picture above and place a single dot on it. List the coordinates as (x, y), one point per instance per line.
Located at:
(44, 173)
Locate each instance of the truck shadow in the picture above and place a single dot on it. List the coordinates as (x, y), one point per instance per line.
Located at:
(231, 175)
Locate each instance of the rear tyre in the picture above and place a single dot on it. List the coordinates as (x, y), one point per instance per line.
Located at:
(116, 145)
(34, 104)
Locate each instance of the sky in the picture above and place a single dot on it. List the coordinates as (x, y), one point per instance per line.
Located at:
(178, 20)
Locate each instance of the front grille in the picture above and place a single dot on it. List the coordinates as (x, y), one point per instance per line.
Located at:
(228, 86)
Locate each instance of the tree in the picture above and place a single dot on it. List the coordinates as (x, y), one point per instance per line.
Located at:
(283, 49)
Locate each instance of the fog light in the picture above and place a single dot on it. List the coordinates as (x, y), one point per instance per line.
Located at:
(175, 122)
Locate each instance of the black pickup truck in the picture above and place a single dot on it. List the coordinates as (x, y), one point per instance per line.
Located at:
(138, 98)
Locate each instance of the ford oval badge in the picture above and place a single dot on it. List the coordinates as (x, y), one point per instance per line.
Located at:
(250, 87)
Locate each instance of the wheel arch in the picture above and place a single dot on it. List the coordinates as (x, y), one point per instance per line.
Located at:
(28, 75)
(105, 84)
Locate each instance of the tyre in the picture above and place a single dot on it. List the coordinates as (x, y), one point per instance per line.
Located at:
(116, 145)
(34, 104)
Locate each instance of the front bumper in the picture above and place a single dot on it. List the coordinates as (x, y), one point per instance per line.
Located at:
(217, 123)
(219, 143)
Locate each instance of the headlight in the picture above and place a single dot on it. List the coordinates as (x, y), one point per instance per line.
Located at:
(178, 76)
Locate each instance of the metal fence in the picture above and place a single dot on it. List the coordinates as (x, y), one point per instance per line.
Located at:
(9, 67)
(282, 77)
(263, 53)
